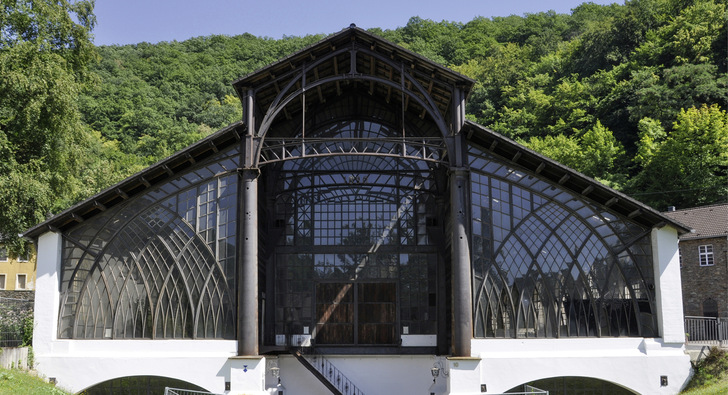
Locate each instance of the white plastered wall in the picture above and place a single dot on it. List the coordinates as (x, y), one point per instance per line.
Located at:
(668, 287)
(634, 363)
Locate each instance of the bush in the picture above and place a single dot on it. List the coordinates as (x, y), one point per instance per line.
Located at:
(16, 323)
(710, 369)
(27, 330)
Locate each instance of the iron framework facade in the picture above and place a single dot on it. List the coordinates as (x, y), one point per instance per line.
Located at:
(356, 206)
(547, 263)
(161, 265)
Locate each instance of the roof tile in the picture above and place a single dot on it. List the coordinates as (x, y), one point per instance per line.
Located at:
(707, 221)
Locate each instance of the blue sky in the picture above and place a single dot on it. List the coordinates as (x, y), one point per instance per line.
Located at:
(134, 21)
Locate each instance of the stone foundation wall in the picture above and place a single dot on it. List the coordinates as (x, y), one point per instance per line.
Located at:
(24, 295)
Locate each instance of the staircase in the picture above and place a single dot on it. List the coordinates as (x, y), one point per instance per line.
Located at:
(326, 372)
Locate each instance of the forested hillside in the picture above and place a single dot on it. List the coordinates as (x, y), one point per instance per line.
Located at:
(634, 95)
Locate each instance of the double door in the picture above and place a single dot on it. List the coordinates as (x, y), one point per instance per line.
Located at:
(356, 313)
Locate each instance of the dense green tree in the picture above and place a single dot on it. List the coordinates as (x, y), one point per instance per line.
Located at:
(596, 153)
(45, 51)
(690, 37)
(617, 92)
(689, 166)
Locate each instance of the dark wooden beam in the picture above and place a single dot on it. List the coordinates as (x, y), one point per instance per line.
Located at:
(540, 167)
(99, 206)
(122, 193)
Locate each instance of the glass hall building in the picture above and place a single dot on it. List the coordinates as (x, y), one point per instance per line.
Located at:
(354, 219)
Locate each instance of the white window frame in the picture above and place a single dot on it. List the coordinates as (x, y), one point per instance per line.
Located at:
(3, 280)
(705, 255)
(4, 256)
(17, 281)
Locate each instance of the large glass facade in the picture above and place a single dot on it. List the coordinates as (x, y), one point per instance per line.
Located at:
(161, 265)
(355, 262)
(547, 263)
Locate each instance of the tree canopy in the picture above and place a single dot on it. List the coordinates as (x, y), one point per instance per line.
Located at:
(634, 95)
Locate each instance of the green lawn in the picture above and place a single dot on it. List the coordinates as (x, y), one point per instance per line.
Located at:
(16, 381)
(717, 388)
(710, 374)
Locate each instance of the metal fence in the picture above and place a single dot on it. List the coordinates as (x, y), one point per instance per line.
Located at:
(527, 390)
(16, 317)
(706, 330)
(179, 391)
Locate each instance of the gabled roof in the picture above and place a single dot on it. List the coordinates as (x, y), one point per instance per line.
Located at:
(707, 221)
(155, 174)
(357, 55)
(568, 178)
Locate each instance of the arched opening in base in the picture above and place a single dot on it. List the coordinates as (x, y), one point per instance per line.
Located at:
(138, 385)
(569, 385)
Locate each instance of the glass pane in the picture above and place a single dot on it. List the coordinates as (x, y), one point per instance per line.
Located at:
(547, 263)
(161, 265)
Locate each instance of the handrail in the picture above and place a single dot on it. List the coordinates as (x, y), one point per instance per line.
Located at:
(327, 371)
(706, 329)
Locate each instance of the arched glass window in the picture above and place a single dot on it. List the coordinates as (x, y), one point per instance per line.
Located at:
(547, 263)
(160, 265)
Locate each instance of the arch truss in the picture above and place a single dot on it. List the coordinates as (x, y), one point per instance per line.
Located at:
(428, 149)
(279, 99)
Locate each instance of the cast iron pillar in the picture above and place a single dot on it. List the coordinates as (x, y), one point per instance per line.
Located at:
(462, 305)
(462, 294)
(248, 239)
(248, 273)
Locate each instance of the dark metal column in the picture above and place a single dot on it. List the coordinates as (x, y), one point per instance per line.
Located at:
(248, 284)
(462, 308)
(462, 299)
(248, 239)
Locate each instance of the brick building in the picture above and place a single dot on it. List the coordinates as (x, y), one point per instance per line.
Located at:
(704, 259)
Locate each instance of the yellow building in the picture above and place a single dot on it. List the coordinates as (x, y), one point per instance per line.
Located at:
(17, 273)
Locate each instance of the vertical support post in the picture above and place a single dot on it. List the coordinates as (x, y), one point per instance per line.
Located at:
(248, 240)
(462, 307)
(248, 269)
(47, 296)
(668, 291)
(462, 294)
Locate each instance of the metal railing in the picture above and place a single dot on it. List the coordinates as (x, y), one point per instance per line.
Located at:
(14, 317)
(706, 330)
(432, 149)
(527, 390)
(328, 371)
(180, 391)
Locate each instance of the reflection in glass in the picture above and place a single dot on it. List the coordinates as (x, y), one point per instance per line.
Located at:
(549, 264)
(161, 265)
(353, 228)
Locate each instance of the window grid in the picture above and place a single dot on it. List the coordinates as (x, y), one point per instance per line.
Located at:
(364, 217)
(168, 257)
(544, 263)
(705, 255)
